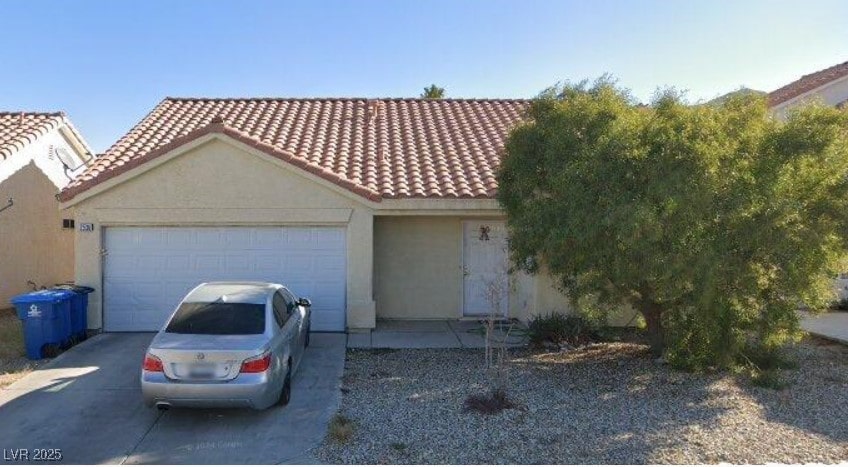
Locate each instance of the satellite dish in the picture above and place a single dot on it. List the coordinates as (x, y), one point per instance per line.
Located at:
(67, 159)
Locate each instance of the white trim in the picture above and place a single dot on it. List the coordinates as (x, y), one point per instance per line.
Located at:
(810, 93)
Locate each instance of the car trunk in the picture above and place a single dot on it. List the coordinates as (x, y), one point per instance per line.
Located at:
(206, 357)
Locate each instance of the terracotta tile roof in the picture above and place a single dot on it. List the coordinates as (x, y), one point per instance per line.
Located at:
(378, 148)
(18, 129)
(808, 83)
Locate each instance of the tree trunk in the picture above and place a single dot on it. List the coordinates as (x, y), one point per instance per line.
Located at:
(652, 312)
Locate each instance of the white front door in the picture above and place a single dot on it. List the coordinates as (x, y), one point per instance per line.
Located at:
(485, 268)
(148, 270)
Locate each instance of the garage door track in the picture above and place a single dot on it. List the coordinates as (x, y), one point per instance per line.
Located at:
(87, 402)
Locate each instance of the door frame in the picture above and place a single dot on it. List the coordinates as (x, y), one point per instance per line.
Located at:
(463, 313)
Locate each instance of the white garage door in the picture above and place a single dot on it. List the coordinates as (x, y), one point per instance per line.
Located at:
(148, 270)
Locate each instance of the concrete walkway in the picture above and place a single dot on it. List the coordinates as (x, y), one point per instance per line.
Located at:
(433, 334)
(833, 325)
(87, 402)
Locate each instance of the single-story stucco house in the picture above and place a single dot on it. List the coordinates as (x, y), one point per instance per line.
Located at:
(40, 153)
(373, 208)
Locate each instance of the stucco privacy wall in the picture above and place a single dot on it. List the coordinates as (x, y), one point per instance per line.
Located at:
(33, 245)
(218, 181)
(418, 271)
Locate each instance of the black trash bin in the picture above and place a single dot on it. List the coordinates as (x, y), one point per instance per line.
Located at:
(79, 309)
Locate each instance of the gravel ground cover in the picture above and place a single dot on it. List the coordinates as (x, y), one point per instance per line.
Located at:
(606, 403)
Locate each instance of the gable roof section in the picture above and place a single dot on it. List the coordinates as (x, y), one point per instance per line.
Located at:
(807, 83)
(377, 148)
(19, 129)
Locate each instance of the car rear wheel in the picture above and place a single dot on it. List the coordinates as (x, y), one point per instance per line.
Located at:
(285, 394)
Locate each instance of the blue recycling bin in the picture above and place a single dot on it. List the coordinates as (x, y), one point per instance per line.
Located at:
(45, 315)
(79, 309)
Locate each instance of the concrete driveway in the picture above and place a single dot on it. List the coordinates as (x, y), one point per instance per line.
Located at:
(833, 325)
(87, 402)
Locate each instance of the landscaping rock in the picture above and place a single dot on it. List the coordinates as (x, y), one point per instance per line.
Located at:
(606, 403)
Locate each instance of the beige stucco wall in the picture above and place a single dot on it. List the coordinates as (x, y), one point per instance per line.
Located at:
(418, 270)
(33, 245)
(418, 274)
(218, 181)
(548, 297)
(418, 267)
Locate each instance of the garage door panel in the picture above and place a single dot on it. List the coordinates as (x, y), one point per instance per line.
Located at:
(302, 264)
(208, 237)
(151, 239)
(299, 237)
(329, 239)
(121, 263)
(268, 239)
(269, 264)
(208, 264)
(118, 290)
(329, 262)
(238, 238)
(148, 270)
(238, 264)
(121, 240)
(152, 263)
(179, 239)
(177, 265)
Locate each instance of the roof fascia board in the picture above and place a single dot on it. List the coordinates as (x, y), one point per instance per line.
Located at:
(801, 97)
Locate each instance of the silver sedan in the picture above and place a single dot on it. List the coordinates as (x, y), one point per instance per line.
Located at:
(228, 344)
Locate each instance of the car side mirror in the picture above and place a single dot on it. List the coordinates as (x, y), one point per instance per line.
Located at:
(303, 301)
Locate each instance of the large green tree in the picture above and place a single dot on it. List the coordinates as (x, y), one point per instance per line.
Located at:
(716, 222)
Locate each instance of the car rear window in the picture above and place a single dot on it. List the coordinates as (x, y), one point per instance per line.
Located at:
(218, 318)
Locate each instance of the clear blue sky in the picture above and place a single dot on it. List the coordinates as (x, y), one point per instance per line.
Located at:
(107, 63)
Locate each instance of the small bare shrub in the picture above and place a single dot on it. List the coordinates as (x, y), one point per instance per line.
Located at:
(341, 429)
(491, 403)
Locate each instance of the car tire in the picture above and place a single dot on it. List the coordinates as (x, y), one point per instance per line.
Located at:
(285, 394)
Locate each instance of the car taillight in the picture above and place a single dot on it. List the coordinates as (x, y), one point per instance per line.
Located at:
(152, 363)
(256, 364)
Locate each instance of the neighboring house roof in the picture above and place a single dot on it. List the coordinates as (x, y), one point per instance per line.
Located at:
(26, 136)
(808, 83)
(378, 148)
(18, 129)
